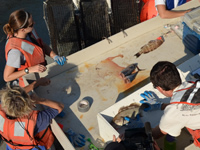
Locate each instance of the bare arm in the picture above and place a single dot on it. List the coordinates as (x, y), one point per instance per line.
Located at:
(11, 73)
(48, 50)
(168, 14)
(35, 84)
(53, 104)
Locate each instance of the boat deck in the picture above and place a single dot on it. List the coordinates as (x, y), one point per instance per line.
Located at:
(93, 73)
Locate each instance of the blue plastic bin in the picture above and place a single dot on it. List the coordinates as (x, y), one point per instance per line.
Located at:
(191, 39)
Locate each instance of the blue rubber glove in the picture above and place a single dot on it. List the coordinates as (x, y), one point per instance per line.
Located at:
(76, 139)
(134, 123)
(60, 60)
(150, 100)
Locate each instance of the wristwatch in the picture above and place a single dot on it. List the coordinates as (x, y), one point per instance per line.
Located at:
(26, 70)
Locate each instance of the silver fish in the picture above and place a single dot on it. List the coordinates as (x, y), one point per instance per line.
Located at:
(130, 78)
(128, 111)
(129, 69)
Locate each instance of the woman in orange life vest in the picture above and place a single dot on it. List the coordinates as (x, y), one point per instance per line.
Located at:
(24, 50)
(21, 127)
(152, 8)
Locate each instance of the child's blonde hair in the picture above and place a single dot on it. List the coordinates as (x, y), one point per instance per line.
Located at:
(15, 101)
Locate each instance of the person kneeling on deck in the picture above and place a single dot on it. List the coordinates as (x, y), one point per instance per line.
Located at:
(184, 107)
(22, 127)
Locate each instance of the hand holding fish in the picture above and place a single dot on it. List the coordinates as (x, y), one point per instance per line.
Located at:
(130, 111)
(150, 101)
(134, 123)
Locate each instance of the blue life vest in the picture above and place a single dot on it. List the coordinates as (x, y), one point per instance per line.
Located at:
(170, 4)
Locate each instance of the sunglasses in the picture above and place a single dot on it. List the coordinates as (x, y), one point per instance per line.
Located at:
(31, 25)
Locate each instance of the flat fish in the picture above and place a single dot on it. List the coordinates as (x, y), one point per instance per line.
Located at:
(150, 46)
(127, 111)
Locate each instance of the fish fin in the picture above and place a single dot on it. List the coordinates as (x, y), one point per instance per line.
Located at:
(134, 104)
(139, 69)
(152, 41)
(121, 109)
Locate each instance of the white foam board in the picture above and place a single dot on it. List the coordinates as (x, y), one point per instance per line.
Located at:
(105, 117)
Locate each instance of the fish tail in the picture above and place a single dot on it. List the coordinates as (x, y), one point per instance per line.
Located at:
(137, 55)
(140, 69)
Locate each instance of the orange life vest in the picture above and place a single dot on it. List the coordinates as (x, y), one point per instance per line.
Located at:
(148, 10)
(13, 133)
(33, 53)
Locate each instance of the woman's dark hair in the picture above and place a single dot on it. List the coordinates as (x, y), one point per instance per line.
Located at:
(17, 20)
(165, 75)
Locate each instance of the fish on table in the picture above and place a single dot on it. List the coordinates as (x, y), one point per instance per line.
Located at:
(130, 111)
(128, 70)
(130, 78)
(150, 46)
(129, 73)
